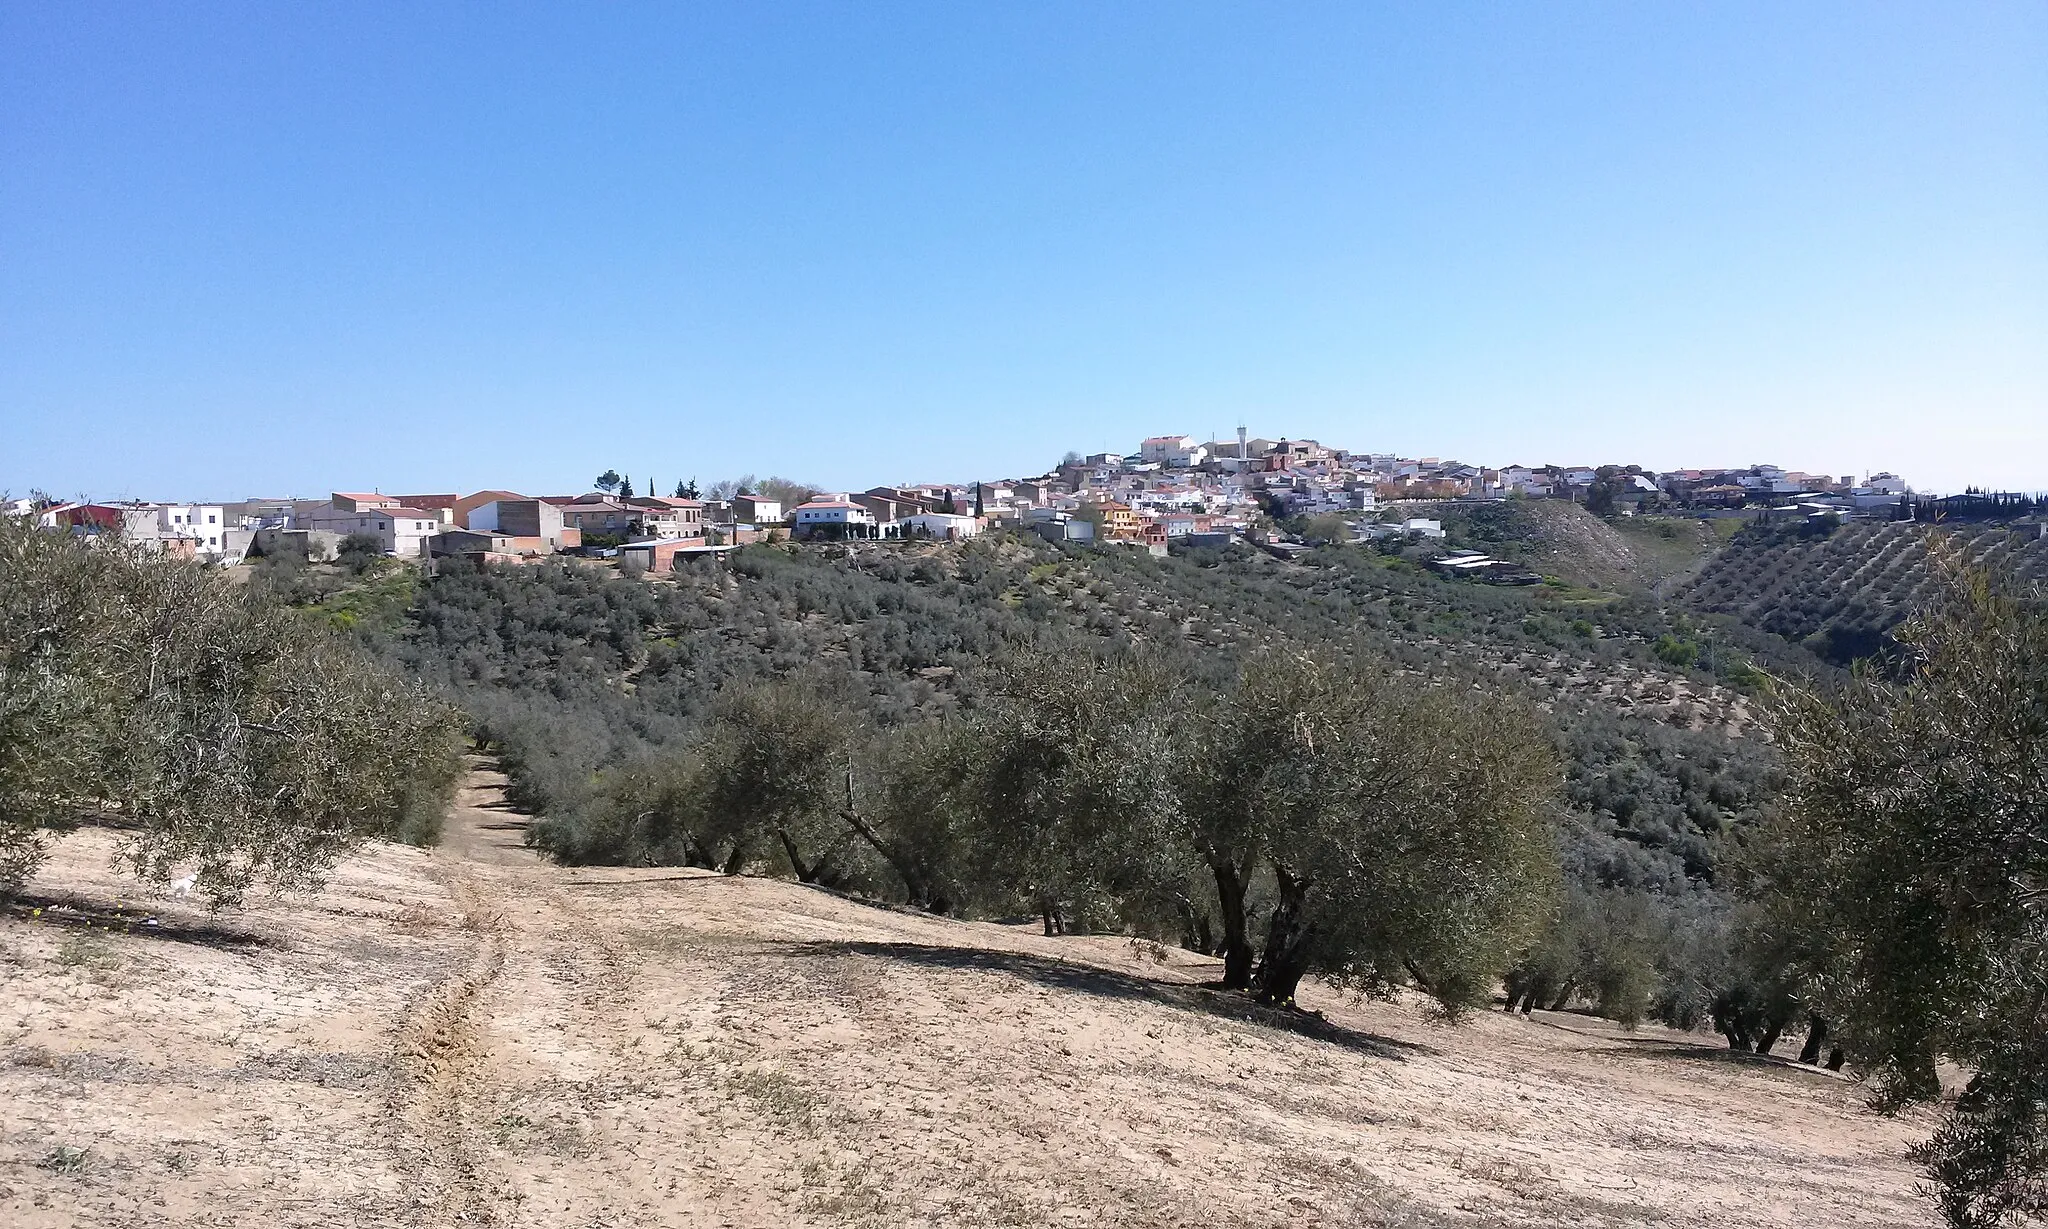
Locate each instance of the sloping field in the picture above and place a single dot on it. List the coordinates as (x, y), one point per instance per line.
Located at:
(1844, 590)
(475, 1037)
(1555, 537)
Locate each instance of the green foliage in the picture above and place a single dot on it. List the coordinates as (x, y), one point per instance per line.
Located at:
(1602, 945)
(1911, 863)
(377, 604)
(1673, 651)
(1913, 832)
(1326, 528)
(211, 725)
(771, 767)
(1069, 785)
(1652, 805)
(360, 552)
(1989, 1160)
(1842, 593)
(1406, 826)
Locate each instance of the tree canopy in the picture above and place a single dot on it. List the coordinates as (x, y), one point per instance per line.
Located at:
(1909, 871)
(212, 727)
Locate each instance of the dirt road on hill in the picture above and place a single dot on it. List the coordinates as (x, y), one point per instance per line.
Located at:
(472, 1036)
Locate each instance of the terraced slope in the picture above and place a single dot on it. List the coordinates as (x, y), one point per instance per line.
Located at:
(1840, 593)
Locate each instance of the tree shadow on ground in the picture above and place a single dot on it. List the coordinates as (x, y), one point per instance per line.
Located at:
(79, 913)
(1659, 1049)
(1106, 983)
(702, 878)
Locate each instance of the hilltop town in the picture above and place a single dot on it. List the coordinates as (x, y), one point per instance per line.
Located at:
(1173, 489)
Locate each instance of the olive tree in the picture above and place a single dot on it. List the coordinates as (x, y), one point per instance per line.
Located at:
(908, 797)
(1913, 855)
(1406, 826)
(772, 767)
(212, 727)
(1071, 790)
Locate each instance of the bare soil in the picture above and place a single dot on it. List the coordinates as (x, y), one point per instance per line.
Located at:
(472, 1036)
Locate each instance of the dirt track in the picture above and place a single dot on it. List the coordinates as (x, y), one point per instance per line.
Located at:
(474, 1037)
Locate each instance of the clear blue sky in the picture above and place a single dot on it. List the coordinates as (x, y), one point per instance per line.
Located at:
(287, 248)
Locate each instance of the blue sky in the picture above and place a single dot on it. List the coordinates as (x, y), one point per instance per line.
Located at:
(293, 248)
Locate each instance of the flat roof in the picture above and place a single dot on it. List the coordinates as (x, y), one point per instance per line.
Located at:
(682, 545)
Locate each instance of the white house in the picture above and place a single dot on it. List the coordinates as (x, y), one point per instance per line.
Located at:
(756, 510)
(1059, 527)
(832, 516)
(204, 525)
(1173, 450)
(939, 525)
(399, 531)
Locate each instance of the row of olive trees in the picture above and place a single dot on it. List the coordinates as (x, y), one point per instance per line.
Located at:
(216, 730)
(1309, 814)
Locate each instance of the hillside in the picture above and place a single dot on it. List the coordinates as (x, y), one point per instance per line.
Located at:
(1553, 537)
(1839, 592)
(474, 1036)
(571, 668)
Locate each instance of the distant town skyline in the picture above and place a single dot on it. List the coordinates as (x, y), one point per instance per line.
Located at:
(652, 481)
(257, 250)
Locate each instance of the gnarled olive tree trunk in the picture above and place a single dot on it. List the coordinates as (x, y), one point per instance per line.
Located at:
(1232, 883)
(1287, 944)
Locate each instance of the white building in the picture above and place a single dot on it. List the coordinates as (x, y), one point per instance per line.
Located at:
(1056, 526)
(399, 531)
(756, 510)
(938, 525)
(204, 525)
(1173, 450)
(832, 515)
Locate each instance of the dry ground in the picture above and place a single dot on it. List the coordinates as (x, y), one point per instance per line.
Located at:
(474, 1037)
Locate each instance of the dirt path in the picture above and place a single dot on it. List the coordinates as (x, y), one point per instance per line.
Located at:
(475, 1037)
